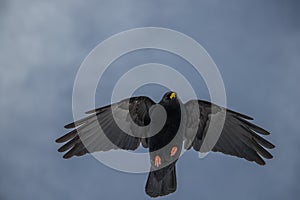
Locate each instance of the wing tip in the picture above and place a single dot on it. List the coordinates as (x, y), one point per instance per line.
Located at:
(59, 140)
(66, 156)
(270, 145)
(242, 115)
(70, 153)
(91, 111)
(61, 149)
(71, 125)
(261, 163)
(253, 126)
(66, 137)
(262, 130)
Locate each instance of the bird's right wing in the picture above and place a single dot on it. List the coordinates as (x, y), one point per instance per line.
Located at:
(238, 137)
(100, 131)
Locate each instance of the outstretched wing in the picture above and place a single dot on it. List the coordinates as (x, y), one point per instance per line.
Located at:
(238, 137)
(100, 130)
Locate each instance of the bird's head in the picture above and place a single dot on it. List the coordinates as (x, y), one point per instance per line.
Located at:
(170, 98)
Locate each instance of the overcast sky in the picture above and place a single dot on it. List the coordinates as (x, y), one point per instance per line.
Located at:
(255, 44)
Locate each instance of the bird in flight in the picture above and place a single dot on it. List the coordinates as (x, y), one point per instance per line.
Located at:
(186, 126)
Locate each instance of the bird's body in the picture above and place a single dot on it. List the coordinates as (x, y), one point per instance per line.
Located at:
(170, 128)
(162, 181)
(186, 126)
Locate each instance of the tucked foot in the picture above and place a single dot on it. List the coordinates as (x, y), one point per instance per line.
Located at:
(157, 161)
(173, 151)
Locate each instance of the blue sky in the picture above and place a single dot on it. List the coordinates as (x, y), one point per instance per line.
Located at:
(255, 44)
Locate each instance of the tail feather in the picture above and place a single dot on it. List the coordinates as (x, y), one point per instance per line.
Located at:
(157, 186)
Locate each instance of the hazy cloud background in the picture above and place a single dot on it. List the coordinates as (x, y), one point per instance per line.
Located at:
(255, 44)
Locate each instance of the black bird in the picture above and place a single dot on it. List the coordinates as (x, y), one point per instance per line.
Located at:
(185, 127)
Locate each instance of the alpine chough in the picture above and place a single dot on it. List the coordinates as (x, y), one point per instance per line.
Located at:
(185, 127)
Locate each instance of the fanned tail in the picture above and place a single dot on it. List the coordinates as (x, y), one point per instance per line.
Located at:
(161, 186)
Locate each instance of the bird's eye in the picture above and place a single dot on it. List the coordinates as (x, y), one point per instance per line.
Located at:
(172, 95)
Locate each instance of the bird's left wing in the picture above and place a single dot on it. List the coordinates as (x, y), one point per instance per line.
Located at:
(238, 137)
(100, 131)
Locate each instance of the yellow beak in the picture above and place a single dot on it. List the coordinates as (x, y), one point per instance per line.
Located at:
(173, 95)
